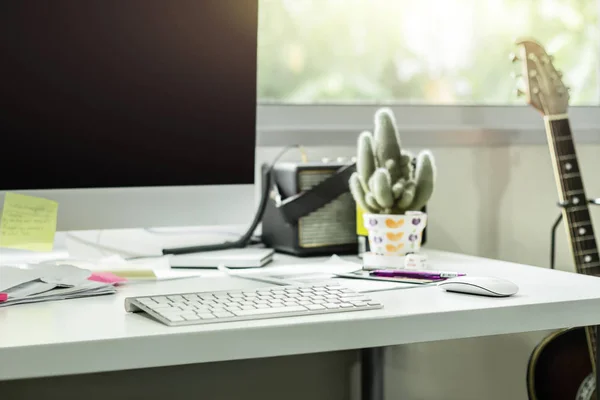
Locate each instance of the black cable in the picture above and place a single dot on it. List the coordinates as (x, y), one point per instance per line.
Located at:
(246, 238)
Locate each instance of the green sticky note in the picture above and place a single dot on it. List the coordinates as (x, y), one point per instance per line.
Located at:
(28, 222)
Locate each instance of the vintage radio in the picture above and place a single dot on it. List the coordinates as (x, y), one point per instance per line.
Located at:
(310, 210)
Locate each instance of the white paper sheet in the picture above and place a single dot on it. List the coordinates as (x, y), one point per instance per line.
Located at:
(326, 272)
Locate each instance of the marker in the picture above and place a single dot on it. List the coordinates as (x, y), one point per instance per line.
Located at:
(415, 274)
(3, 297)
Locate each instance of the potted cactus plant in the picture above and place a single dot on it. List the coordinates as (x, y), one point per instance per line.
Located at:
(390, 190)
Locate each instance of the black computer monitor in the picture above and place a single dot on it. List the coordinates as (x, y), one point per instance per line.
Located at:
(130, 112)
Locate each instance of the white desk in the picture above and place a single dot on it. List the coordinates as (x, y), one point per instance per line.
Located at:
(95, 334)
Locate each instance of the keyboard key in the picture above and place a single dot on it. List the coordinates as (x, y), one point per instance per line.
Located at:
(168, 312)
(263, 311)
(315, 307)
(161, 299)
(224, 314)
(161, 305)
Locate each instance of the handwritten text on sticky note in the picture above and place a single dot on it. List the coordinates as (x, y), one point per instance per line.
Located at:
(28, 222)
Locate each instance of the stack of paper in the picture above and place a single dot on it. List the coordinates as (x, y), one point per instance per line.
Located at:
(47, 282)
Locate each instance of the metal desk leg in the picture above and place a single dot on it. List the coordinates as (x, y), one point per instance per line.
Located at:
(372, 368)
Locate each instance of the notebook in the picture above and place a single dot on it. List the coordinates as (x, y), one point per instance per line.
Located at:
(249, 257)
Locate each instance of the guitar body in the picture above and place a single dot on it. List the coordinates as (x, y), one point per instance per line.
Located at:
(560, 368)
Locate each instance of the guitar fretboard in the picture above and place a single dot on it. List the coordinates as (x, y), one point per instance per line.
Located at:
(576, 212)
(571, 190)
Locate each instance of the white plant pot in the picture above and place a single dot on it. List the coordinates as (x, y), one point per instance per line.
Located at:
(395, 234)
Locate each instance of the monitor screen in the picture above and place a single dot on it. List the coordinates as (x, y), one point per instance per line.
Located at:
(127, 93)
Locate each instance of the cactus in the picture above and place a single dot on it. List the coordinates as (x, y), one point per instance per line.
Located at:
(385, 181)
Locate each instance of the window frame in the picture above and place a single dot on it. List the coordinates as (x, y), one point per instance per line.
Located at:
(338, 124)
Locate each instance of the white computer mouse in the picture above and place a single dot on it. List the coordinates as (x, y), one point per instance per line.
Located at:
(481, 285)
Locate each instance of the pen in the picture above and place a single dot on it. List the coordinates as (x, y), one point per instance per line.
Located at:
(415, 274)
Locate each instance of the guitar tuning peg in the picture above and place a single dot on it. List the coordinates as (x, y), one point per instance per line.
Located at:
(519, 93)
(513, 57)
(559, 73)
(515, 75)
(548, 59)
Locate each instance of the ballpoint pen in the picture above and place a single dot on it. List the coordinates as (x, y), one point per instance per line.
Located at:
(415, 274)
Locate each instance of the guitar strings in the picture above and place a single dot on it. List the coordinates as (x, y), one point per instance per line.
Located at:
(556, 127)
(561, 150)
(582, 215)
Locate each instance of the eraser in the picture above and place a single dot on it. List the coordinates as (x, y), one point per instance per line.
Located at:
(372, 261)
(415, 261)
(3, 297)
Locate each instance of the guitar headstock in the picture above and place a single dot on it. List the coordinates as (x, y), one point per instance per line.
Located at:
(544, 88)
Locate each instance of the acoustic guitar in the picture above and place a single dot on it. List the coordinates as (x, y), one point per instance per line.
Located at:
(563, 365)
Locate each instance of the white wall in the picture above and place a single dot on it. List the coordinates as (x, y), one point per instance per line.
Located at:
(496, 202)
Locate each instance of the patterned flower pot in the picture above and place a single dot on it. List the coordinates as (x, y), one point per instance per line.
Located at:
(395, 235)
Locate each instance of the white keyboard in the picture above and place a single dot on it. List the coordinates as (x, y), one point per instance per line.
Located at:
(249, 304)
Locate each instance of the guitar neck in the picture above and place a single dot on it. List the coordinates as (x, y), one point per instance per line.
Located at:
(576, 214)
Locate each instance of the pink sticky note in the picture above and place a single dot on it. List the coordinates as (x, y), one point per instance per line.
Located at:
(106, 277)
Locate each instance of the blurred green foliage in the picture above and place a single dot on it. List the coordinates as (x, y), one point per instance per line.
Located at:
(419, 51)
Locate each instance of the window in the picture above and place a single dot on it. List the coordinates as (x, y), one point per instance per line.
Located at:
(419, 52)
